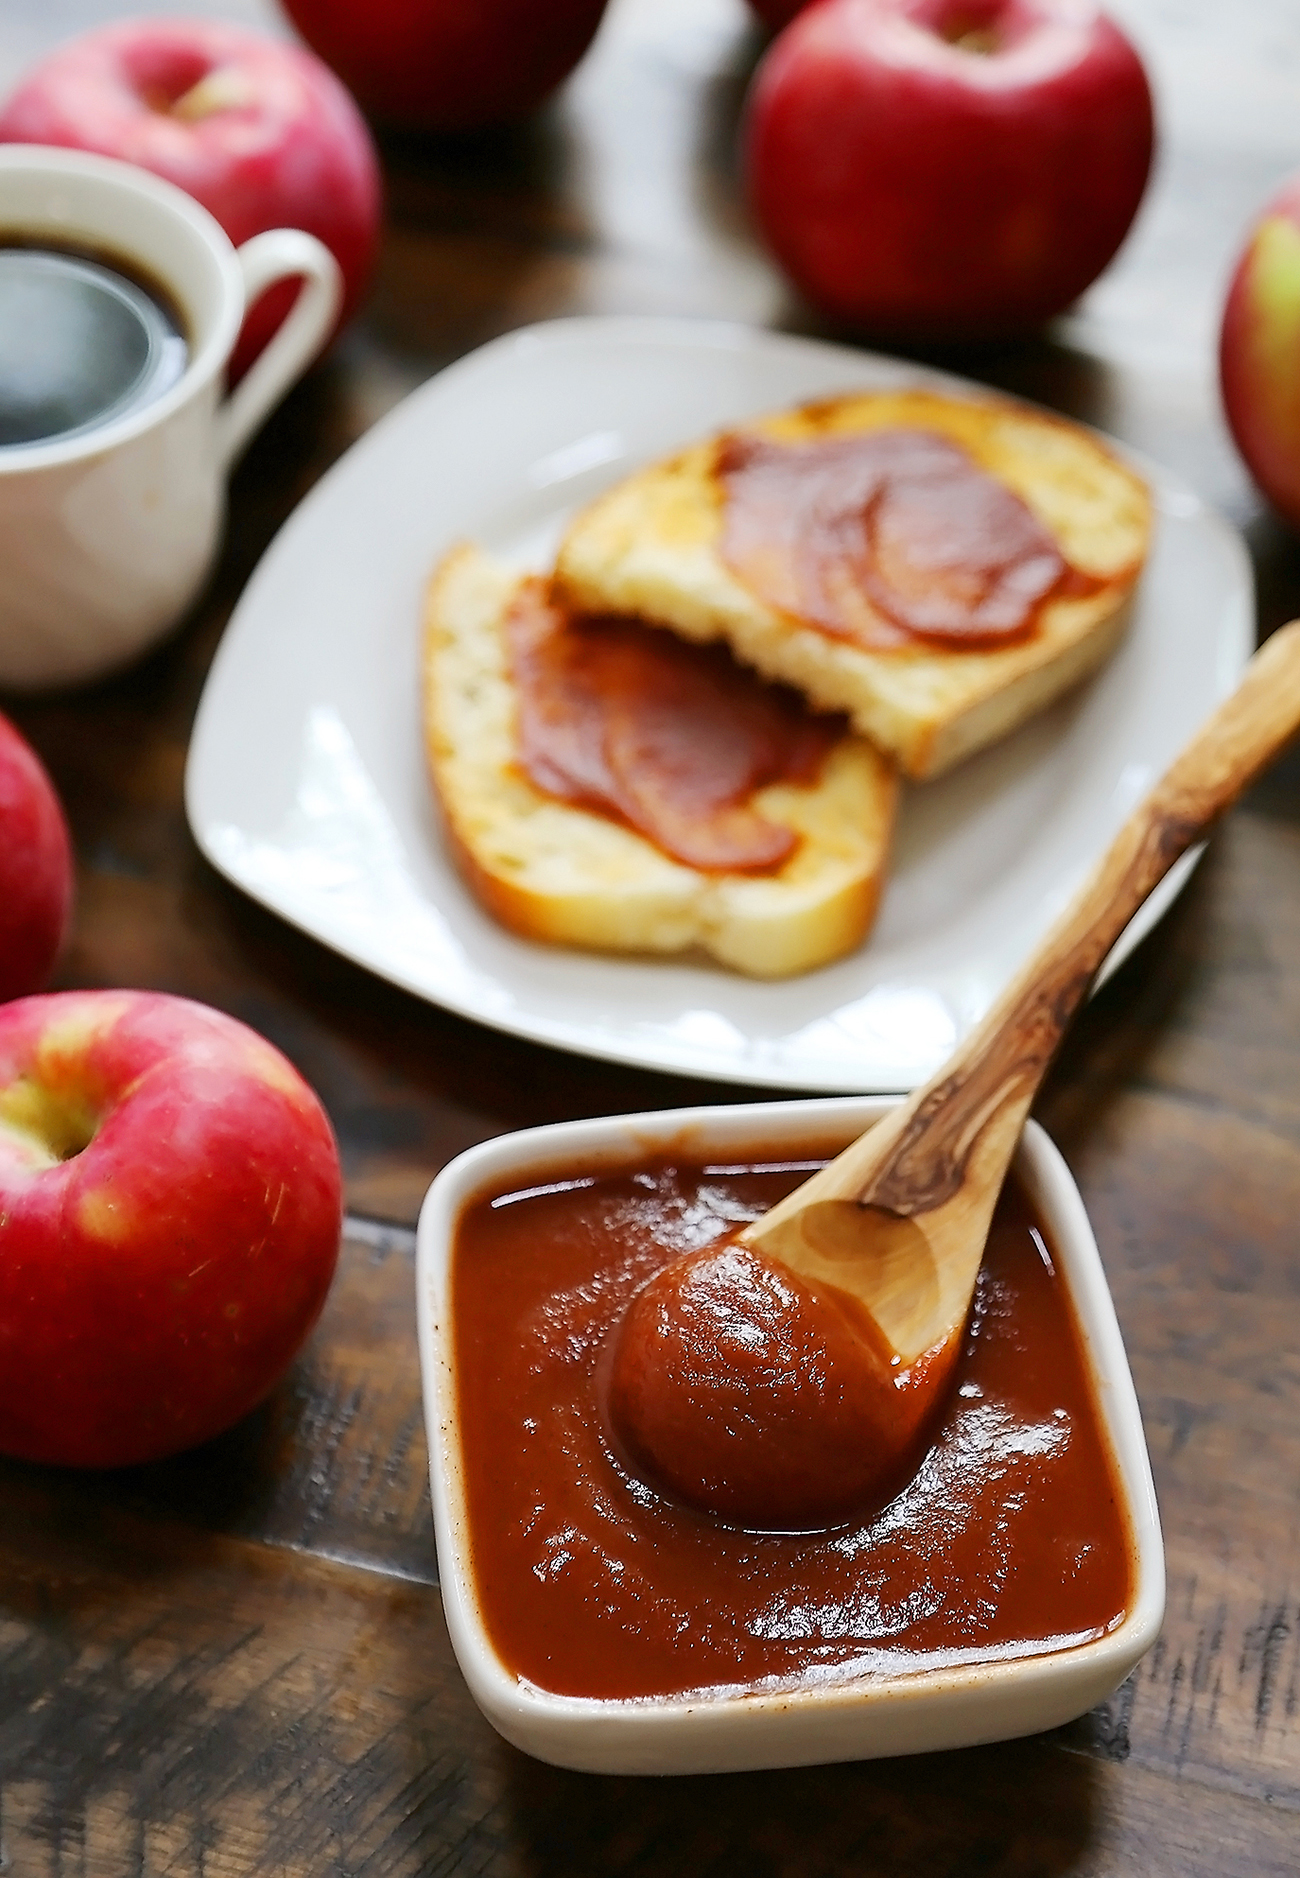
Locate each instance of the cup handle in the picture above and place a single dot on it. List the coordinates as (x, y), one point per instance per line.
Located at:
(263, 260)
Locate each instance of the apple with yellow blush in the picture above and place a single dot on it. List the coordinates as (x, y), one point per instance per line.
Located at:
(170, 1214)
(259, 131)
(1259, 352)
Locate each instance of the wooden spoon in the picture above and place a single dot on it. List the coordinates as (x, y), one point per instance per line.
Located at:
(900, 1218)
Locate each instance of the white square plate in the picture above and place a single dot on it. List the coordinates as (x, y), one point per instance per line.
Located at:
(306, 782)
(872, 1713)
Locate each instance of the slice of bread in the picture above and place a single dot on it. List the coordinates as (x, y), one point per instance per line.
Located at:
(553, 871)
(651, 546)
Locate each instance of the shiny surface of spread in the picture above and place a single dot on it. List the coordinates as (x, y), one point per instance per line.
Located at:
(671, 739)
(1007, 1541)
(745, 1390)
(886, 538)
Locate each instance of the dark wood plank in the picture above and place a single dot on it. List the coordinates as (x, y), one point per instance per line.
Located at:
(1192, 1208)
(205, 1706)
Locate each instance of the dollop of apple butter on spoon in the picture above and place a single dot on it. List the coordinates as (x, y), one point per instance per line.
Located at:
(788, 1377)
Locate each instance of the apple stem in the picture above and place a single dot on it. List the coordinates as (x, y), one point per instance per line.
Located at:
(980, 39)
(224, 88)
(963, 29)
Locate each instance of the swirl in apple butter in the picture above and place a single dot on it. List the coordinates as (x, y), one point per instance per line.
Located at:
(887, 538)
(671, 739)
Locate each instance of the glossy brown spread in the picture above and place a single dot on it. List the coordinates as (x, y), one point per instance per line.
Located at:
(744, 1390)
(887, 537)
(671, 739)
(1007, 1541)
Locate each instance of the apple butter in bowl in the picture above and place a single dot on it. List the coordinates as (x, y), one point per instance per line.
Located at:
(604, 1622)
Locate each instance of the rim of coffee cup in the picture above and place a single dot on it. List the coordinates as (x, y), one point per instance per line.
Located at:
(211, 331)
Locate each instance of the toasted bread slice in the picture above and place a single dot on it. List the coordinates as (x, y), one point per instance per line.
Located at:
(651, 546)
(556, 872)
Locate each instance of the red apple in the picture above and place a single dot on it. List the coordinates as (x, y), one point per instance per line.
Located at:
(35, 868)
(260, 132)
(448, 65)
(947, 167)
(170, 1209)
(1259, 352)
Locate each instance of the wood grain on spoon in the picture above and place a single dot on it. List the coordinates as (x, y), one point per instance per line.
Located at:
(900, 1218)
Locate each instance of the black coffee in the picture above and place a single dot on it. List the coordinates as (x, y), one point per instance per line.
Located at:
(80, 345)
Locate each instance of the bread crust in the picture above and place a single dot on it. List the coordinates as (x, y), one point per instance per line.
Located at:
(562, 874)
(650, 546)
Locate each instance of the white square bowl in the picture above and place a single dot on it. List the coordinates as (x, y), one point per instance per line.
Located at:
(862, 1716)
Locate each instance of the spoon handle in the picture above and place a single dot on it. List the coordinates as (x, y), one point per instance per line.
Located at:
(1002, 1062)
(916, 1159)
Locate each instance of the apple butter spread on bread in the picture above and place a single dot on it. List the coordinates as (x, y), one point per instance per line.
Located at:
(939, 568)
(605, 785)
(672, 739)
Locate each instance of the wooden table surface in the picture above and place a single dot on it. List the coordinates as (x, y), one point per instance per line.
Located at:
(236, 1662)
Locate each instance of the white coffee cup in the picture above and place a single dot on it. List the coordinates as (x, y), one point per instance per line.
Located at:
(107, 536)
